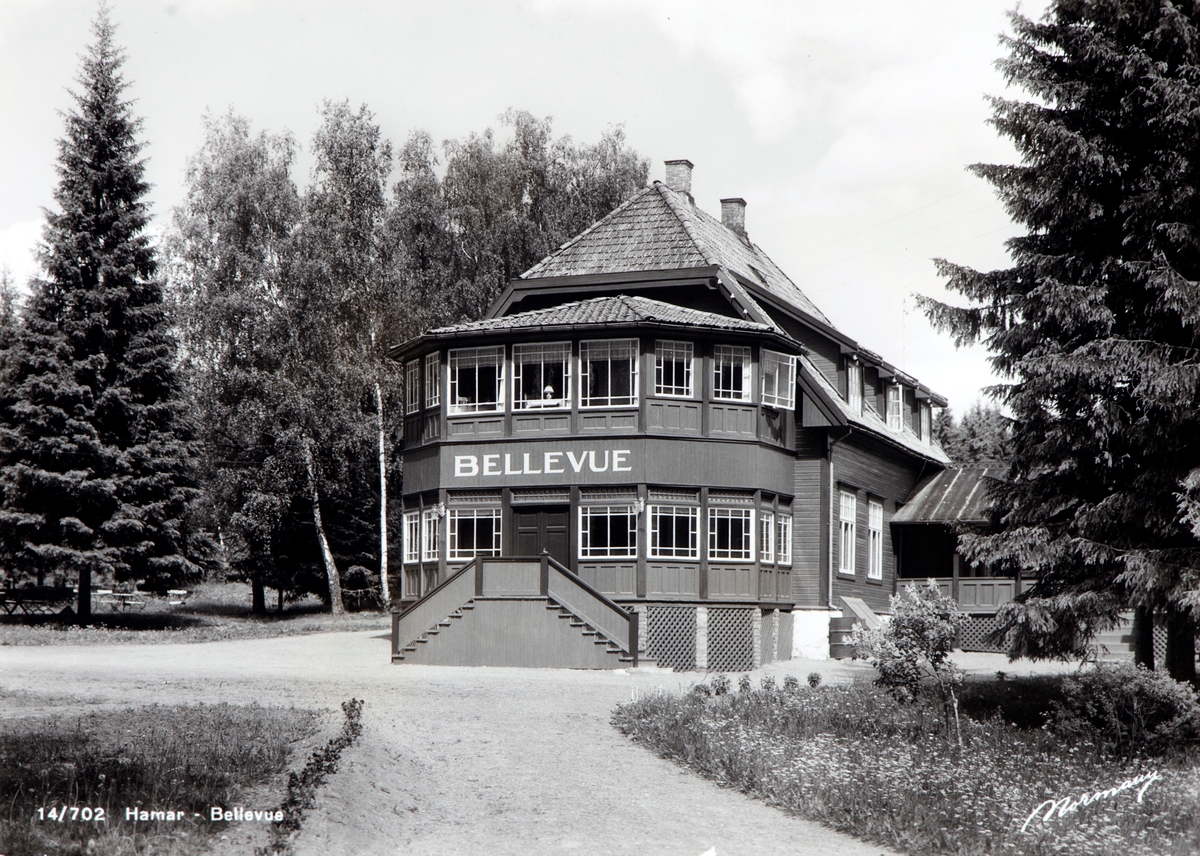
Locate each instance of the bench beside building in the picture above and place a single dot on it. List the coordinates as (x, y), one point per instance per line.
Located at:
(681, 431)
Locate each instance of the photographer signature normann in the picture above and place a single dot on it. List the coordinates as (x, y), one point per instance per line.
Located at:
(1070, 805)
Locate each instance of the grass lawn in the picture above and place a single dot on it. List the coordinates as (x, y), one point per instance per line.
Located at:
(213, 612)
(861, 762)
(67, 784)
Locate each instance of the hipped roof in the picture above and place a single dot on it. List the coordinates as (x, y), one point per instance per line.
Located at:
(957, 494)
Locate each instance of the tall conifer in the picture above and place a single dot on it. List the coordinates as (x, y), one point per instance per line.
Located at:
(1096, 326)
(95, 332)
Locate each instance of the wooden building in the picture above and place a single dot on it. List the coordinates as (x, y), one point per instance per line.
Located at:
(654, 443)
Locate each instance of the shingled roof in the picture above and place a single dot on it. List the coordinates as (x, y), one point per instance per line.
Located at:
(661, 229)
(618, 310)
(958, 494)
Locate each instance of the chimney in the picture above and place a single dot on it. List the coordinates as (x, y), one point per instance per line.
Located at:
(679, 177)
(733, 216)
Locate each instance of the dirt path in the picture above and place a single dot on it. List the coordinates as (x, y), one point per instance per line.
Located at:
(496, 761)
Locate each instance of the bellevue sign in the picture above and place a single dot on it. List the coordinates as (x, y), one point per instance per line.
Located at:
(542, 463)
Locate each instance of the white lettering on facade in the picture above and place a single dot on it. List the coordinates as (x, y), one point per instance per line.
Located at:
(595, 460)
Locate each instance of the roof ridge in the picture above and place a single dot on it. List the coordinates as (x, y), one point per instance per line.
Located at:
(684, 218)
(588, 230)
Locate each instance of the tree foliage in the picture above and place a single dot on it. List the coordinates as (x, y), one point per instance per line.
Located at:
(983, 434)
(96, 470)
(1096, 324)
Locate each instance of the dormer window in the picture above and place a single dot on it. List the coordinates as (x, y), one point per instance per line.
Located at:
(541, 376)
(854, 386)
(895, 395)
(778, 379)
(926, 423)
(476, 380)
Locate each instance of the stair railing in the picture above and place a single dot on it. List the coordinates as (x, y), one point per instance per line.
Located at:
(618, 625)
(425, 614)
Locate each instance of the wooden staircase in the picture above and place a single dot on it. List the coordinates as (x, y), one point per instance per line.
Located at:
(528, 612)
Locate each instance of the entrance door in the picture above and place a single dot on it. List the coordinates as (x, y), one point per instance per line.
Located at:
(546, 528)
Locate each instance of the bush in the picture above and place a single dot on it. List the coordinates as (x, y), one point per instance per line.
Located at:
(790, 684)
(814, 679)
(1126, 710)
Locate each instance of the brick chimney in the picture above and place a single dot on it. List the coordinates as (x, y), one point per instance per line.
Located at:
(733, 215)
(679, 177)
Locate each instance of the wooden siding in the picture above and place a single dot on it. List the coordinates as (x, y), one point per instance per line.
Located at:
(677, 417)
(731, 582)
(672, 580)
(615, 579)
(808, 569)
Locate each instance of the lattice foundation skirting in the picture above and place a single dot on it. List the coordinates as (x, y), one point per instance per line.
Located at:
(719, 639)
(671, 636)
(973, 634)
(730, 639)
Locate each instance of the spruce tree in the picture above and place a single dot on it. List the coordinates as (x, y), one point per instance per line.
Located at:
(96, 327)
(1095, 328)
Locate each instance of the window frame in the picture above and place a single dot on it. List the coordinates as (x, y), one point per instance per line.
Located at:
(854, 386)
(433, 379)
(726, 355)
(412, 387)
(431, 540)
(743, 554)
(679, 352)
(781, 362)
(412, 537)
(456, 515)
(456, 408)
(588, 512)
(766, 537)
(558, 351)
(783, 540)
(848, 518)
(893, 407)
(925, 420)
(874, 539)
(586, 346)
(672, 510)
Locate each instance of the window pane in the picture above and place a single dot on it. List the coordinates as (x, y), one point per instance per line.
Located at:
(778, 379)
(673, 368)
(610, 372)
(731, 373)
(541, 375)
(475, 375)
(673, 532)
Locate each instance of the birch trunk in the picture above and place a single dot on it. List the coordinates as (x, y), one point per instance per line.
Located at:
(383, 535)
(331, 571)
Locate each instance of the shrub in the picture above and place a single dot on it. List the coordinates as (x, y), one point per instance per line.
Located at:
(791, 684)
(768, 683)
(814, 679)
(745, 684)
(1126, 710)
(720, 685)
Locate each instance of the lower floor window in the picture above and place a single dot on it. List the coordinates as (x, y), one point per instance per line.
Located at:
(766, 536)
(431, 525)
(607, 532)
(474, 532)
(673, 532)
(412, 536)
(729, 534)
(783, 541)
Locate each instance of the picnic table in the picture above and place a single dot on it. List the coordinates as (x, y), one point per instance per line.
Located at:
(36, 600)
(121, 601)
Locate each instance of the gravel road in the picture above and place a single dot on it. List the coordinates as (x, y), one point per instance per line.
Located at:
(451, 761)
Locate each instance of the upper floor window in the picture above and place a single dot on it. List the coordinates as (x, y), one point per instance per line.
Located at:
(854, 386)
(542, 375)
(433, 380)
(926, 423)
(609, 372)
(412, 386)
(607, 531)
(673, 532)
(731, 373)
(875, 540)
(673, 369)
(895, 395)
(476, 380)
(474, 532)
(729, 534)
(778, 379)
(848, 512)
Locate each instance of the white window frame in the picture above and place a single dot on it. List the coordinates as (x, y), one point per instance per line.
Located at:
(854, 386)
(431, 542)
(456, 517)
(433, 379)
(783, 539)
(766, 537)
(668, 353)
(557, 354)
(412, 387)
(465, 359)
(778, 379)
(742, 553)
(590, 513)
(926, 422)
(412, 537)
(895, 401)
(848, 515)
(692, 549)
(737, 359)
(874, 539)
(603, 350)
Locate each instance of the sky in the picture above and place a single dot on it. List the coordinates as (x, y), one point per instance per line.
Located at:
(847, 127)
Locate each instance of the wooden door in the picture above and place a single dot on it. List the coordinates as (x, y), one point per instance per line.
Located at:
(544, 528)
